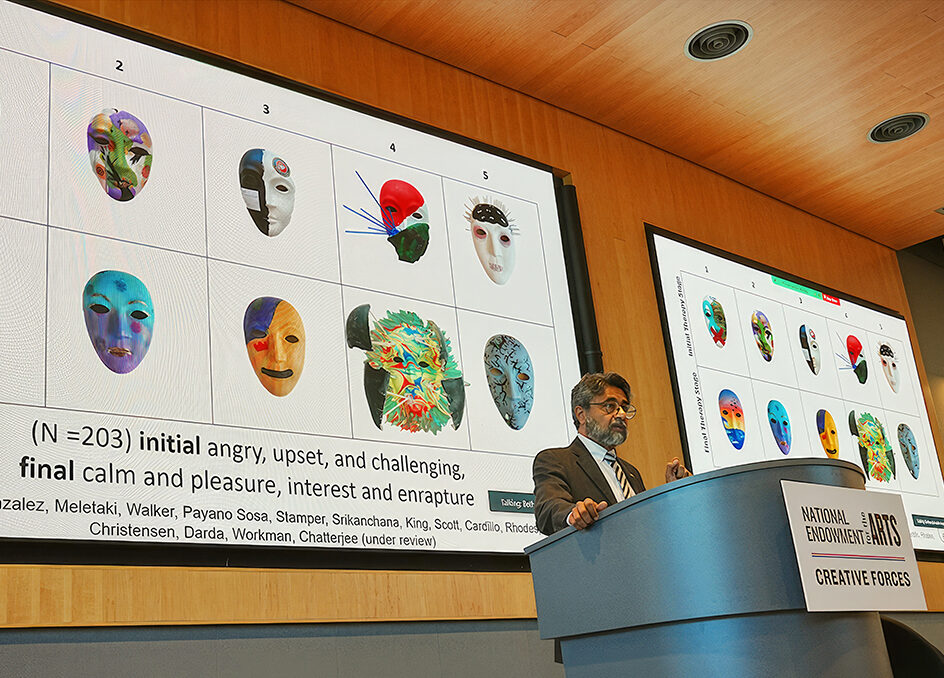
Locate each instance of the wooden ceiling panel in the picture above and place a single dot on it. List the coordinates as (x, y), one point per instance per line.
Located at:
(788, 115)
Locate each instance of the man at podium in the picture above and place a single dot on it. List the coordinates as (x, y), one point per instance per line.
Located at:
(573, 484)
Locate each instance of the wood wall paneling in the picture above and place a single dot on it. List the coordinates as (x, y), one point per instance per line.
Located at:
(48, 595)
(621, 183)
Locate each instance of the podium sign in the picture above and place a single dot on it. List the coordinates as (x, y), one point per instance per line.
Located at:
(853, 549)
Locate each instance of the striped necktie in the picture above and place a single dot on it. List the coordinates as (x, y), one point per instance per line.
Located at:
(610, 458)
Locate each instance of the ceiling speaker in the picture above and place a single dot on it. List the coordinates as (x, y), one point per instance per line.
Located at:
(718, 41)
(898, 128)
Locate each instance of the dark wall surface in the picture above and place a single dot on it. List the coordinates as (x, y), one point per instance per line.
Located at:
(410, 650)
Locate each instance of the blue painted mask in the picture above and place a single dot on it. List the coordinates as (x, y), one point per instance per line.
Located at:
(119, 317)
(909, 449)
(779, 425)
(510, 376)
(732, 416)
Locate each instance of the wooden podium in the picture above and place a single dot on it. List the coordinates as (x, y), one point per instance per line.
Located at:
(699, 578)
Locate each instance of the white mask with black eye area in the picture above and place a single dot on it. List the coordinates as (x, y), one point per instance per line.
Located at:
(889, 365)
(279, 192)
(267, 189)
(810, 348)
(493, 236)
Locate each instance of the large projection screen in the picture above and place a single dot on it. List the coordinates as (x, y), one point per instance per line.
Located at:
(769, 366)
(235, 313)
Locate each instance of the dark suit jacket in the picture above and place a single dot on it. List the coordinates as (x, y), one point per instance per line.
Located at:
(565, 475)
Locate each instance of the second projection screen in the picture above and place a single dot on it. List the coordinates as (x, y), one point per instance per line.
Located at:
(771, 367)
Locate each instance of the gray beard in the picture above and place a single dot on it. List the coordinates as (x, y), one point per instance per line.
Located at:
(605, 437)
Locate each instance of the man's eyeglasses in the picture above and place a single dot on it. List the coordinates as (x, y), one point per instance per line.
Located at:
(611, 406)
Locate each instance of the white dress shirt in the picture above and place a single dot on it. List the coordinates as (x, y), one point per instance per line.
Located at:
(598, 452)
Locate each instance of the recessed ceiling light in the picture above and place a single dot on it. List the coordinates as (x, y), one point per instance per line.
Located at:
(718, 41)
(898, 128)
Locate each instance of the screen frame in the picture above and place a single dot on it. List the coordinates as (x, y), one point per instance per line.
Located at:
(138, 553)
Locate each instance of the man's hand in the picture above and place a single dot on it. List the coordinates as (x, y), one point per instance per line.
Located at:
(585, 513)
(675, 470)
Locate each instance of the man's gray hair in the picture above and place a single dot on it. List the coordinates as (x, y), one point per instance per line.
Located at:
(592, 385)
